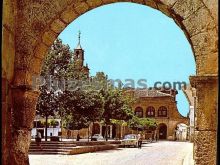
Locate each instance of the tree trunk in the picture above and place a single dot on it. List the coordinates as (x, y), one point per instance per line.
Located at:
(106, 132)
(121, 131)
(46, 129)
(92, 128)
(88, 133)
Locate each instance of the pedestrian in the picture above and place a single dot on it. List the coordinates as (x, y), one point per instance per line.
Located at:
(38, 139)
(155, 136)
(68, 134)
(78, 137)
(139, 140)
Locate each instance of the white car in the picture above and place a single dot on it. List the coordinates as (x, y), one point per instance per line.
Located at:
(97, 137)
(130, 140)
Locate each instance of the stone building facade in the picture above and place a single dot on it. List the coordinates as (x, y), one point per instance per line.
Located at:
(38, 23)
(161, 105)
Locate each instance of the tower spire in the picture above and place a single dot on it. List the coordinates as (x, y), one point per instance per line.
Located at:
(79, 37)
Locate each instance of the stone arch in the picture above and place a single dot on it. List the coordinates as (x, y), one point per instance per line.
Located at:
(162, 131)
(138, 111)
(162, 111)
(36, 24)
(180, 122)
(179, 136)
(150, 111)
(177, 10)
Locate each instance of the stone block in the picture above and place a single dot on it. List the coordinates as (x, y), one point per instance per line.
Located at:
(24, 102)
(187, 7)
(8, 14)
(69, 15)
(94, 3)
(22, 77)
(151, 3)
(81, 7)
(168, 2)
(57, 26)
(205, 147)
(206, 102)
(205, 43)
(109, 1)
(213, 8)
(194, 23)
(164, 9)
(37, 65)
(8, 53)
(49, 37)
(41, 50)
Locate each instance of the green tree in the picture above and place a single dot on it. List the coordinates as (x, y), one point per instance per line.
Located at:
(82, 108)
(58, 65)
(46, 105)
(115, 107)
(137, 123)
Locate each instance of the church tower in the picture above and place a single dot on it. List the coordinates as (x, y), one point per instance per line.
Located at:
(78, 55)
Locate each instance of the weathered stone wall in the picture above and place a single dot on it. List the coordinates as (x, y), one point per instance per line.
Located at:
(8, 55)
(205, 119)
(30, 27)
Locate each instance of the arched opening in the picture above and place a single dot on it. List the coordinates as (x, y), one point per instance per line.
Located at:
(162, 111)
(139, 112)
(162, 130)
(197, 21)
(150, 112)
(114, 131)
(181, 132)
(95, 129)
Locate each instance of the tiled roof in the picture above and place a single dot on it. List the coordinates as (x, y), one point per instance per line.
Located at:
(150, 92)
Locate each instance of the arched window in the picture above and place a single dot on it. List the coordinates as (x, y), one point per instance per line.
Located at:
(150, 112)
(138, 112)
(162, 111)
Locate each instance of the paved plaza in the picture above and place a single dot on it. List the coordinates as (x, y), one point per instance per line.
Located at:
(160, 153)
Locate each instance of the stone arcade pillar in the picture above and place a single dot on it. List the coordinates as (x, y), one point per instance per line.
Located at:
(23, 113)
(205, 119)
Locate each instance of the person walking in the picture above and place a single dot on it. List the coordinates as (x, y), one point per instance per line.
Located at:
(38, 139)
(78, 137)
(155, 136)
(139, 141)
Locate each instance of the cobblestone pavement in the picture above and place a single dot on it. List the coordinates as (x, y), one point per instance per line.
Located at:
(159, 153)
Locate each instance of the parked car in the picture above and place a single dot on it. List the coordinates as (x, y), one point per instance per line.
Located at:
(97, 137)
(130, 140)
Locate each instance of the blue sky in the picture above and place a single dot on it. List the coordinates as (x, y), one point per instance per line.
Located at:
(127, 40)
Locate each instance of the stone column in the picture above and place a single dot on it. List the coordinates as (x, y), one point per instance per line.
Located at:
(205, 119)
(110, 131)
(100, 129)
(23, 113)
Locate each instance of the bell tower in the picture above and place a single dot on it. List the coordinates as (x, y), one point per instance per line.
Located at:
(78, 55)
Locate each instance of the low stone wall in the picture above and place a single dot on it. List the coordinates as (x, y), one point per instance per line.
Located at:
(86, 149)
(94, 143)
